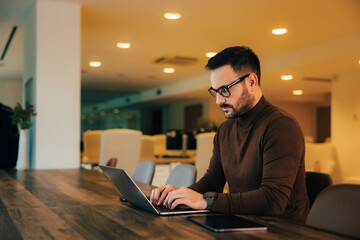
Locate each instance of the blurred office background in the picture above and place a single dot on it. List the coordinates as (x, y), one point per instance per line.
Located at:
(47, 63)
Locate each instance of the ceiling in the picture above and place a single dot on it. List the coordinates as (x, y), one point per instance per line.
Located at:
(320, 42)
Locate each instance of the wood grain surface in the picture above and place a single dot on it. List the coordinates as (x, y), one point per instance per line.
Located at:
(83, 204)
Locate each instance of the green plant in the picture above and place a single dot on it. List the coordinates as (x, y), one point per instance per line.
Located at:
(21, 117)
(206, 125)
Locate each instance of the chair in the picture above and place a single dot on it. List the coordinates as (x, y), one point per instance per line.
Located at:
(162, 172)
(92, 146)
(123, 144)
(315, 183)
(204, 151)
(112, 162)
(182, 175)
(144, 172)
(159, 144)
(337, 210)
(147, 148)
(321, 157)
(352, 179)
(309, 139)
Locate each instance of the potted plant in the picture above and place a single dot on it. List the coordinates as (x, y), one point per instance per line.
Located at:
(207, 125)
(22, 118)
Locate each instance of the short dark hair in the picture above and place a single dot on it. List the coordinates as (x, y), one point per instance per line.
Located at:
(239, 58)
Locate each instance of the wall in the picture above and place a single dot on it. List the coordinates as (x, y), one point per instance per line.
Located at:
(108, 119)
(173, 116)
(215, 112)
(175, 112)
(11, 93)
(58, 85)
(345, 125)
(52, 61)
(29, 21)
(304, 113)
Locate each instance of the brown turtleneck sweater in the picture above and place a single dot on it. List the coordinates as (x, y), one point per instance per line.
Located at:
(261, 156)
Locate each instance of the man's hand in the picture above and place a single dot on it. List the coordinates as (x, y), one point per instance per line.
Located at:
(185, 196)
(159, 194)
(170, 196)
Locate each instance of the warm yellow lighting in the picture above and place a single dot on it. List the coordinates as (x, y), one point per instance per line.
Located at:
(279, 31)
(94, 63)
(359, 61)
(287, 77)
(169, 70)
(116, 111)
(123, 45)
(211, 54)
(172, 16)
(297, 92)
(102, 113)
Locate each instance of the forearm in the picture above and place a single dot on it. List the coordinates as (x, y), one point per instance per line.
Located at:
(209, 183)
(262, 201)
(214, 178)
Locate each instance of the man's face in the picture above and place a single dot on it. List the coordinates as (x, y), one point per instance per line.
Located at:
(240, 100)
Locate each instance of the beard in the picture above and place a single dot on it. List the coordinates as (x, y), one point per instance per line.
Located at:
(245, 102)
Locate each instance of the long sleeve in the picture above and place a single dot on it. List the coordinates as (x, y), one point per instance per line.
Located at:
(262, 158)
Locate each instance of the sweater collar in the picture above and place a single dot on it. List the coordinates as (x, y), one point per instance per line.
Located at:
(250, 116)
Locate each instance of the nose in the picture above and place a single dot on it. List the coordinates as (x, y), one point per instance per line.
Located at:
(220, 99)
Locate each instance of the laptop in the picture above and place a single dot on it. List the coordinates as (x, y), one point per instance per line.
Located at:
(128, 188)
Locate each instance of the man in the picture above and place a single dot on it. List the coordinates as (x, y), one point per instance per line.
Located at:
(259, 150)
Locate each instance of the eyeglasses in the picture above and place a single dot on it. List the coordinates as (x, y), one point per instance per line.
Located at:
(224, 90)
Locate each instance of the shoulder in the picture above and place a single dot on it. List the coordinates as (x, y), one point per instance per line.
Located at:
(279, 117)
(282, 126)
(269, 114)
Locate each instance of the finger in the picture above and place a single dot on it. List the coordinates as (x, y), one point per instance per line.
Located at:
(171, 197)
(164, 194)
(177, 202)
(155, 193)
(167, 200)
(152, 195)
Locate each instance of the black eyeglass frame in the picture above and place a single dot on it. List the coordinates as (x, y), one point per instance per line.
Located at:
(213, 91)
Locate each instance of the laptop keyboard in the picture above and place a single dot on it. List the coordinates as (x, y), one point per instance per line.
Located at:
(162, 208)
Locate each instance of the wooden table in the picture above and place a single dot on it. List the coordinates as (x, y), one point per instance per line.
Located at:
(83, 204)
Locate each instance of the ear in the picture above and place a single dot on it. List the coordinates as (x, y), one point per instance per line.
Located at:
(252, 82)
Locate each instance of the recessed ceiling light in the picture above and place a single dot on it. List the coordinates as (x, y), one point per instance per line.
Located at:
(211, 54)
(94, 63)
(169, 70)
(287, 77)
(172, 16)
(116, 111)
(297, 92)
(279, 31)
(123, 45)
